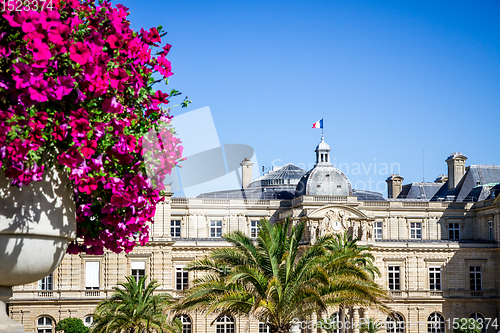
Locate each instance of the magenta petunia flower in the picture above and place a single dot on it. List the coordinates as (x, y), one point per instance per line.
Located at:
(28, 20)
(64, 87)
(40, 50)
(111, 105)
(79, 53)
(22, 75)
(79, 127)
(38, 90)
(117, 78)
(114, 41)
(59, 35)
(49, 19)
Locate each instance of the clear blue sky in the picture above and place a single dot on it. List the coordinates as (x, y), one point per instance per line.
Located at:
(389, 78)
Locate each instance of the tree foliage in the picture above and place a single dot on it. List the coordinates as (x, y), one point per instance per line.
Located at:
(276, 279)
(134, 307)
(72, 325)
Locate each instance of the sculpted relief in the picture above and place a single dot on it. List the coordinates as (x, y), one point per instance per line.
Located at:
(339, 221)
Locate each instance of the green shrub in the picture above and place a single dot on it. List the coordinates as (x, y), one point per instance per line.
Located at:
(72, 325)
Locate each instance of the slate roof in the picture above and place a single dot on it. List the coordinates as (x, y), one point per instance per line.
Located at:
(419, 190)
(475, 176)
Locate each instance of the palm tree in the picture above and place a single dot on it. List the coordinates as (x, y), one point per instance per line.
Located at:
(276, 279)
(133, 308)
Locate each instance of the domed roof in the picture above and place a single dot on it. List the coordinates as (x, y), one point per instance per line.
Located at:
(289, 174)
(323, 145)
(324, 180)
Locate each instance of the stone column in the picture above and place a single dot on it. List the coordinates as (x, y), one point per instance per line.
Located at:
(342, 320)
(355, 320)
(314, 323)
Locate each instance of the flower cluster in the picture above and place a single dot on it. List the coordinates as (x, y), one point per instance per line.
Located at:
(76, 95)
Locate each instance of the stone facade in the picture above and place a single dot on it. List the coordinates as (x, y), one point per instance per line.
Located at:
(435, 257)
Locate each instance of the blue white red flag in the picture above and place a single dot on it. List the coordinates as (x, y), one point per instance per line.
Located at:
(318, 124)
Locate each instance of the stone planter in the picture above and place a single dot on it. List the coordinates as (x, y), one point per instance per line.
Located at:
(37, 222)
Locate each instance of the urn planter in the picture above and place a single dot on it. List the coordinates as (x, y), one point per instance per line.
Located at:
(37, 222)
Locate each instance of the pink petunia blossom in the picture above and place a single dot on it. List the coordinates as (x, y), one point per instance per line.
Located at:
(111, 105)
(117, 78)
(40, 50)
(49, 19)
(22, 75)
(59, 35)
(114, 41)
(28, 20)
(64, 87)
(38, 90)
(79, 53)
(79, 127)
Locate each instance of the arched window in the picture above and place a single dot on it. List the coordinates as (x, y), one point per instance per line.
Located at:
(435, 323)
(335, 322)
(263, 328)
(44, 325)
(186, 323)
(480, 319)
(224, 324)
(88, 321)
(395, 324)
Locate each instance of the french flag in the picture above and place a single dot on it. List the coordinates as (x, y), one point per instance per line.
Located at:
(318, 124)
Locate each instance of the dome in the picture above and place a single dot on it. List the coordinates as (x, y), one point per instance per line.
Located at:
(289, 174)
(323, 145)
(324, 180)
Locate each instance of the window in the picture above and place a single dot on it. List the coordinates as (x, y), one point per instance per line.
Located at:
(395, 324)
(475, 278)
(454, 231)
(92, 275)
(435, 278)
(263, 328)
(435, 323)
(138, 269)
(186, 323)
(88, 321)
(377, 230)
(490, 230)
(175, 228)
(181, 279)
(254, 229)
(394, 278)
(215, 229)
(44, 325)
(45, 283)
(481, 320)
(224, 324)
(334, 321)
(416, 230)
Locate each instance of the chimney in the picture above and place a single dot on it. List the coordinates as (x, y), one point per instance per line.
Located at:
(394, 185)
(441, 179)
(456, 169)
(246, 172)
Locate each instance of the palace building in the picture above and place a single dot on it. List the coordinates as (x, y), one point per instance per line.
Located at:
(435, 243)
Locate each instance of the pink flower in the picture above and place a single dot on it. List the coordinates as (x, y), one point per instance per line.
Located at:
(87, 185)
(63, 88)
(79, 53)
(111, 105)
(114, 42)
(88, 149)
(22, 76)
(159, 98)
(40, 50)
(70, 159)
(121, 200)
(118, 77)
(80, 127)
(49, 19)
(38, 90)
(164, 66)
(60, 34)
(27, 20)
